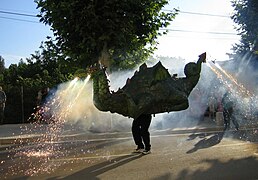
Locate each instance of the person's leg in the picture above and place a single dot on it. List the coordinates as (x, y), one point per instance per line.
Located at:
(230, 116)
(1, 115)
(1, 118)
(226, 119)
(234, 121)
(136, 131)
(145, 124)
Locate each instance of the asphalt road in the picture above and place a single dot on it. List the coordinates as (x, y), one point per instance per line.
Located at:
(189, 155)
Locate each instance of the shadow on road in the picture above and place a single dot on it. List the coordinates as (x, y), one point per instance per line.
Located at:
(205, 142)
(245, 168)
(93, 171)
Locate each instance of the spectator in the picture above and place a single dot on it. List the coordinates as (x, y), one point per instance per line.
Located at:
(228, 110)
(42, 95)
(2, 104)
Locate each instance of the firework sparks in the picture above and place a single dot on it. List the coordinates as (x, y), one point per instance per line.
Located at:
(234, 80)
(246, 101)
(49, 119)
(39, 153)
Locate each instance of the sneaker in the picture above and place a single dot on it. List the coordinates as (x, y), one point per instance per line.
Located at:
(138, 150)
(145, 152)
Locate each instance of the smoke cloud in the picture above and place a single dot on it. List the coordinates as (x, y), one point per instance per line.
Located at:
(73, 101)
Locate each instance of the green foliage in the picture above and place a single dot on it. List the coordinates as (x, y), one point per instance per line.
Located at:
(124, 30)
(246, 15)
(22, 81)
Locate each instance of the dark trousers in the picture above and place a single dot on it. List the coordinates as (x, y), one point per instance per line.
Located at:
(228, 116)
(1, 115)
(140, 131)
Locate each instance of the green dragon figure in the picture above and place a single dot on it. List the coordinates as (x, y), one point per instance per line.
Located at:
(151, 90)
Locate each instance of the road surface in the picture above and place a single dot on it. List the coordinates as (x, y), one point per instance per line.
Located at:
(187, 155)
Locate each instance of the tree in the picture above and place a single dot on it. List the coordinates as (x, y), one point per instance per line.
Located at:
(110, 31)
(43, 69)
(2, 65)
(246, 15)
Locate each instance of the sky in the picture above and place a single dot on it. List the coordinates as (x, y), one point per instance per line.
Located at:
(212, 33)
(191, 34)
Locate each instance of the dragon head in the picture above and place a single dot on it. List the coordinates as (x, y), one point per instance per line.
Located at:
(193, 69)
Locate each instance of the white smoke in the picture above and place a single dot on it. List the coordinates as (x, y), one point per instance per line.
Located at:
(72, 104)
(76, 100)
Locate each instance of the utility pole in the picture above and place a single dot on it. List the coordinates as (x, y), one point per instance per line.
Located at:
(22, 104)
